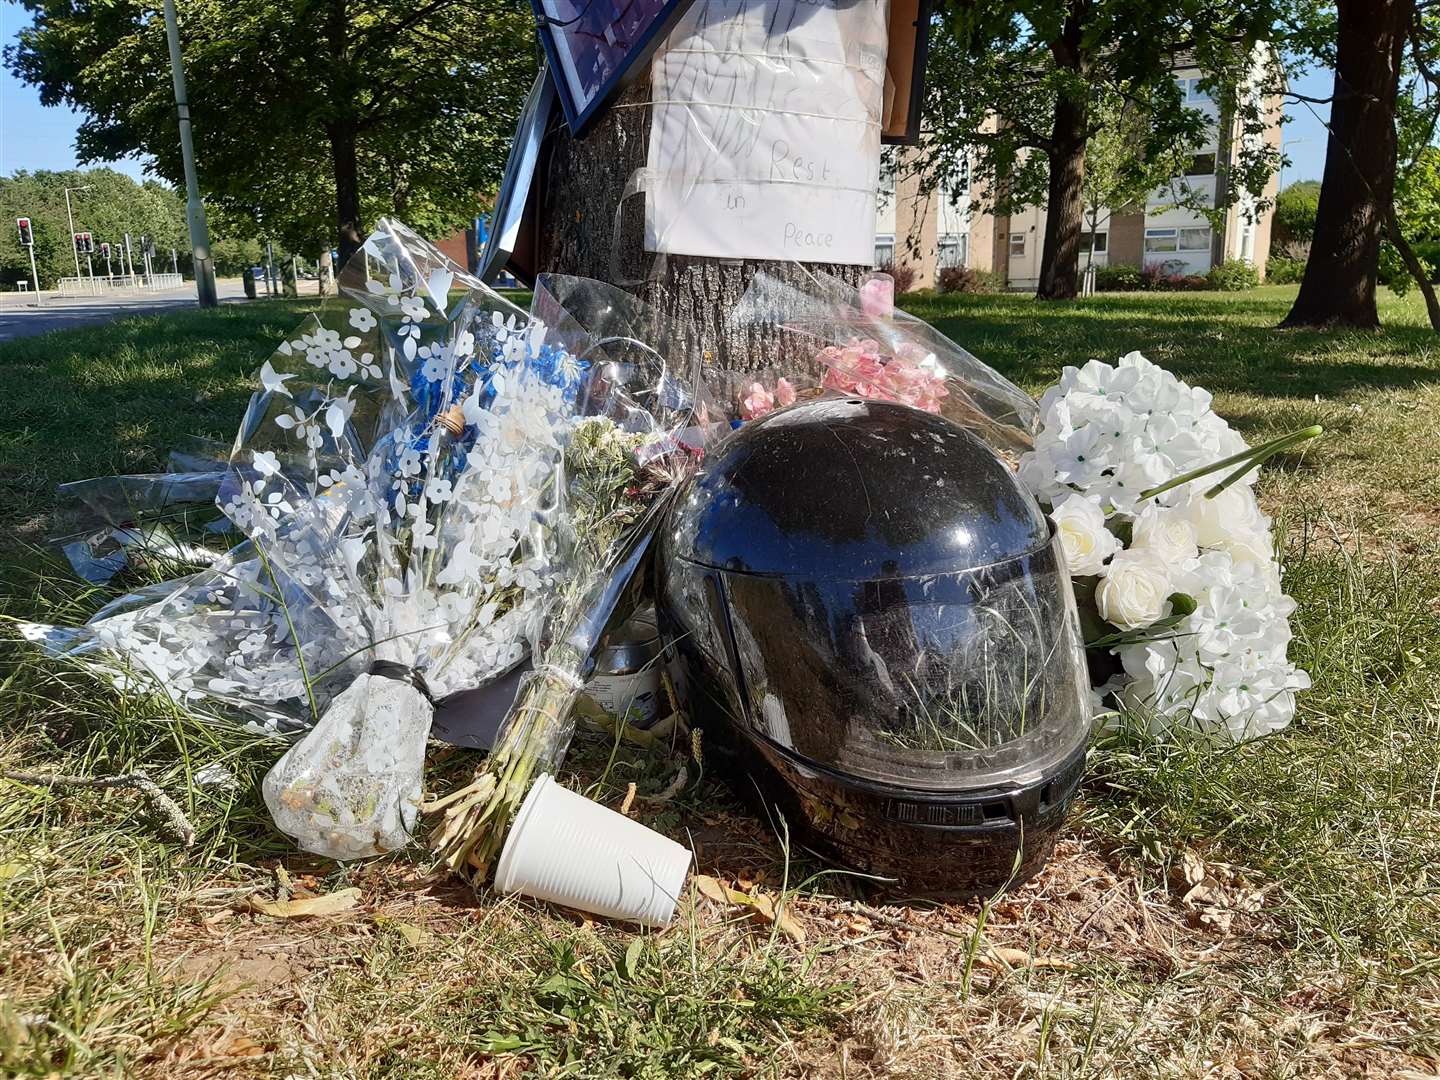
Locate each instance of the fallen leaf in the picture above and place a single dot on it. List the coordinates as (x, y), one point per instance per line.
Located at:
(302, 907)
(629, 799)
(711, 888)
(999, 955)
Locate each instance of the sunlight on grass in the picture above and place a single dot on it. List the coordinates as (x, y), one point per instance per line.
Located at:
(126, 956)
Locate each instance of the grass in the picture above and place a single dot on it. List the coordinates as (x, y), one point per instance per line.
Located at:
(1311, 948)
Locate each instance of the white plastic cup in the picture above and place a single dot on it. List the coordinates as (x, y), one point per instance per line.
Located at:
(568, 850)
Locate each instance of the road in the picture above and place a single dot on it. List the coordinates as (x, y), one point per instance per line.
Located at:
(17, 321)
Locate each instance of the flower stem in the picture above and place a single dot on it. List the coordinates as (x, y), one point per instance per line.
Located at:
(1256, 455)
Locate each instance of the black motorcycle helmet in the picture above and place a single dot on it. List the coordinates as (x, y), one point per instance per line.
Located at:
(881, 641)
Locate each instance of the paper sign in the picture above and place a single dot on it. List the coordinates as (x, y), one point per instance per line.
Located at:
(765, 131)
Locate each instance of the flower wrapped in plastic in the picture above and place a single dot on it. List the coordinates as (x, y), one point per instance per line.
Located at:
(391, 478)
(623, 457)
(854, 341)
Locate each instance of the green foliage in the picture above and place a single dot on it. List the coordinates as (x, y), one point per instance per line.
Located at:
(1233, 275)
(1283, 270)
(1294, 219)
(1119, 277)
(114, 205)
(1395, 275)
(287, 97)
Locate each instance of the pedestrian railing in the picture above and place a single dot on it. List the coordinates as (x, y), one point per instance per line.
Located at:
(103, 286)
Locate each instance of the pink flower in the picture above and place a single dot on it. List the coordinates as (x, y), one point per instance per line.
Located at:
(877, 296)
(784, 393)
(757, 403)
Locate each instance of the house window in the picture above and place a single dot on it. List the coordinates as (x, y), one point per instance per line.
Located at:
(884, 250)
(1099, 244)
(1201, 165)
(1161, 240)
(1017, 244)
(952, 249)
(1194, 239)
(1193, 93)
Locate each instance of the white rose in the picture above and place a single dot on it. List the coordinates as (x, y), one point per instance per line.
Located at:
(1080, 524)
(1251, 547)
(1134, 591)
(1164, 533)
(1234, 512)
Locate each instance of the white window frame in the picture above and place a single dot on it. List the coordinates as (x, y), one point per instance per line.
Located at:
(1014, 236)
(885, 244)
(1162, 234)
(1100, 235)
(1180, 240)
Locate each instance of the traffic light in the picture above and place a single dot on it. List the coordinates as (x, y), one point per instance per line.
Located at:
(27, 234)
(105, 251)
(147, 245)
(84, 243)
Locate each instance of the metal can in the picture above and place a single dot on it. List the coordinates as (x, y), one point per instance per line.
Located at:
(631, 681)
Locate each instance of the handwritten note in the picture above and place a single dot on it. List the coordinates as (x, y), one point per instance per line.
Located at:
(765, 131)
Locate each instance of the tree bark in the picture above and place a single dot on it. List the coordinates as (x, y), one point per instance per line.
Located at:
(588, 230)
(344, 160)
(343, 132)
(1358, 184)
(1065, 208)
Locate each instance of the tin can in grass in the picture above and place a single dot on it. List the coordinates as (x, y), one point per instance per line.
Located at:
(631, 681)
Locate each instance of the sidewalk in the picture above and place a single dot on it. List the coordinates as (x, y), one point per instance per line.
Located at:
(228, 289)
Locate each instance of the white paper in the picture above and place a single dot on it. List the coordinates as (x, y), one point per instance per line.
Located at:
(765, 136)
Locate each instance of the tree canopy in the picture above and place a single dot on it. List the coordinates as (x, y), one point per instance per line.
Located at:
(113, 205)
(311, 117)
(1020, 87)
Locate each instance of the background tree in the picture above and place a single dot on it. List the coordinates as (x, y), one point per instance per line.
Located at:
(1292, 226)
(1358, 185)
(1014, 86)
(114, 205)
(311, 116)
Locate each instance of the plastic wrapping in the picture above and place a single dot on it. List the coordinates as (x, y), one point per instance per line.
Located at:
(622, 460)
(863, 346)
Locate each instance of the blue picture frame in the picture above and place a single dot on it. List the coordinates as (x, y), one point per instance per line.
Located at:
(594, 46)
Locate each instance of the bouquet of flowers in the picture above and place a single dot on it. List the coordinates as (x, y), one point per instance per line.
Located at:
(623, 457)
(857, 343)
(1175, 573)
(391, 478)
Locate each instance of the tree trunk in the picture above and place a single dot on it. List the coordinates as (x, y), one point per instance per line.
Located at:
(1413, 265)
(1359, 180)
(343, 132)
(1065, 208)
(349, 229)
(586, 231)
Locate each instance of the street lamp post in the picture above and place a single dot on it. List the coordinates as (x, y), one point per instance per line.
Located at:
(70, 216)
(194, 207)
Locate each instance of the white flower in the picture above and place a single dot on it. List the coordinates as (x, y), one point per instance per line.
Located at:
(1080, 525)
(437, 363)
(413, 308)
(1135, 590)
(1234, 512)
(1165, 533)
(362, 319)
(341, 364)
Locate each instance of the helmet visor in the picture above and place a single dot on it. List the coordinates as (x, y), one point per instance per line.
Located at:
(938, 682)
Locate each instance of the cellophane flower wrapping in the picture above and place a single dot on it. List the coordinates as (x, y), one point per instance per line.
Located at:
(392, 478)
(854, 341)
(624, 454)
(1108, 434)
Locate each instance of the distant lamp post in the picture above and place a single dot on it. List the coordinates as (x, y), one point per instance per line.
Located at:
(194, 207)
(1280, 183)
(70, 216)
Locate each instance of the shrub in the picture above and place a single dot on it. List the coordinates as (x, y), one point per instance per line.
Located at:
(1195, 282)
(1281, 270)
(1161, 275)
(962, 279)
(903, 273)
(1233, 275)
(1122, 277)
(1295, 207)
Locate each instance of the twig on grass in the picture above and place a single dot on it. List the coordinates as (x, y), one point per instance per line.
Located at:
(170, 813)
